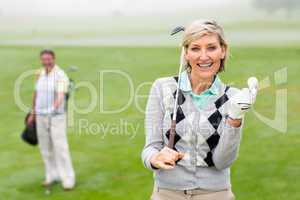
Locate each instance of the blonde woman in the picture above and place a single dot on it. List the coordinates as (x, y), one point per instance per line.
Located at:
(208, 123)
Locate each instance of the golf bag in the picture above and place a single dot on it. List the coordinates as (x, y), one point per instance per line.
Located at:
(29, 135)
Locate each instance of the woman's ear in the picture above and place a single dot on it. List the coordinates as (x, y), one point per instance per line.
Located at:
(223, 52)
(186, 56)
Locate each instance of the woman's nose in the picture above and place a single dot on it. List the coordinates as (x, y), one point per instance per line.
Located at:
(203, 55)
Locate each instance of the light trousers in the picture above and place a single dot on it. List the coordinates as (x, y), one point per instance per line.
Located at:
(54, 148)
(198, 194)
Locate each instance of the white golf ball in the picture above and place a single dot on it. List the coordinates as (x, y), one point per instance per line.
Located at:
(253, 82)
(47, 192)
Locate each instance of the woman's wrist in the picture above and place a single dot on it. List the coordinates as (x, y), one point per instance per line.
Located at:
(153, 161)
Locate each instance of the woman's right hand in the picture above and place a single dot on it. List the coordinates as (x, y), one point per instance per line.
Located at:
(30, 119)
(166, 158)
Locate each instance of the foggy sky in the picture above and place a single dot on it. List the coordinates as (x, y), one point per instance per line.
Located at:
(101, 7)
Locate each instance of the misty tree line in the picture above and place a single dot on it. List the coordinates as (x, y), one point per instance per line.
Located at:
(274, 5)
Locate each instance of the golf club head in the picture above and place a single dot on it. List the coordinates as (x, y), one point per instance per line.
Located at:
(72, 68)
(177, 30)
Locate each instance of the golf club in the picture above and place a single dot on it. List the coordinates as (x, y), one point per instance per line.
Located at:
(72, 68)
(173, 122)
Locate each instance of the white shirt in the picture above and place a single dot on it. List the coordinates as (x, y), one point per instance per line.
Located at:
(47, 87)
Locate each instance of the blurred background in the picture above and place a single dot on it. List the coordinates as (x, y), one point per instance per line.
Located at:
(144, 22)
(134, 37)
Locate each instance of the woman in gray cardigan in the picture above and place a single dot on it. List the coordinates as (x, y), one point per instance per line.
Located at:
(208, 123)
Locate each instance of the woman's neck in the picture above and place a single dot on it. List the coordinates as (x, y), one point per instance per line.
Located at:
(199, 84)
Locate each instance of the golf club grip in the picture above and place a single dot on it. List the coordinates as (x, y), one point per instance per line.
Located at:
(172, 134)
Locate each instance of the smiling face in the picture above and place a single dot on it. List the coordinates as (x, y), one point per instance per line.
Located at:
(204, 55)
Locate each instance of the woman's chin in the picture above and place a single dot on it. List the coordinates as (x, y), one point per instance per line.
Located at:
(205, 74)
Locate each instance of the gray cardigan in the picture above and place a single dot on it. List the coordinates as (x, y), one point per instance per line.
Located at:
(211, 145)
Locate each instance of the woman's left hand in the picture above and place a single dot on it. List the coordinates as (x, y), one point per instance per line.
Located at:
(243, 100)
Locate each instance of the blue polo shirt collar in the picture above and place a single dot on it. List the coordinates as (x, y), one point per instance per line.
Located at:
(185, 84)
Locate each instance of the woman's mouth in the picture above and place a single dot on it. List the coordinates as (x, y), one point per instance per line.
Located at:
(205, 66)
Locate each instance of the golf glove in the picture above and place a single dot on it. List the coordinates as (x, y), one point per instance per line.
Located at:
(240, 103)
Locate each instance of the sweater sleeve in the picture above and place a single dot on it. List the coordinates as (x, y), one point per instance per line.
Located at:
(227, 149)
(153, 124)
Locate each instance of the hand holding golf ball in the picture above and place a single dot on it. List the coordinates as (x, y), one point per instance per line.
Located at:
(240, 103)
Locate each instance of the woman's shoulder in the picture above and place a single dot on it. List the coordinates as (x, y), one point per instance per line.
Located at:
(165, 81)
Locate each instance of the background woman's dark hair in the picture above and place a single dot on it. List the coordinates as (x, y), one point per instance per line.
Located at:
(47, 51)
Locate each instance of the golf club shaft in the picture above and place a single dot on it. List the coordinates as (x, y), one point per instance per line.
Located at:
(172, 134)
(173, 122)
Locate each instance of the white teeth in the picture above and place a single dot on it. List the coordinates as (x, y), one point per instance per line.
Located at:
(205, 65)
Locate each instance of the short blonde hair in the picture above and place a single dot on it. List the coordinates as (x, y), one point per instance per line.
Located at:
(198, 29)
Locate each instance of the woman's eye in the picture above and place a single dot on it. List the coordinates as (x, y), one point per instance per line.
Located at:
(195, 49)
(211, 48)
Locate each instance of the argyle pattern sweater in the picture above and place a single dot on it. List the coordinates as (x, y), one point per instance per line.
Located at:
(209, 143)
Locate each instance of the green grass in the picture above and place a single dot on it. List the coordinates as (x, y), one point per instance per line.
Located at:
(110, 168)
